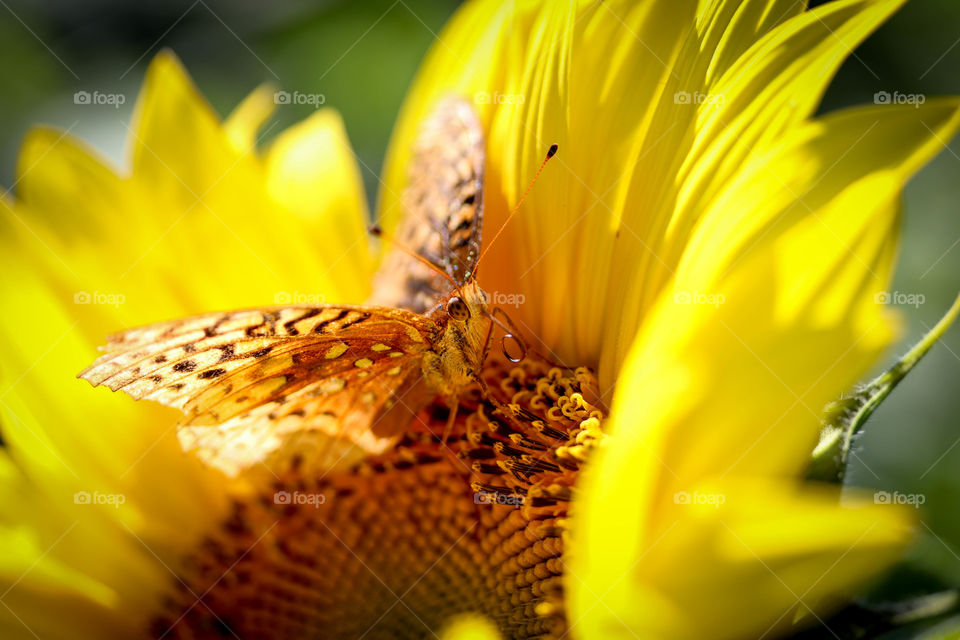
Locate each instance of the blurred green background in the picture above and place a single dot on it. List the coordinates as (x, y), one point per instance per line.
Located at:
(363, 55)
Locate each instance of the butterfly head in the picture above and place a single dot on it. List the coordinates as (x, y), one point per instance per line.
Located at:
(467, 303)
(457, 309)
(457, 357)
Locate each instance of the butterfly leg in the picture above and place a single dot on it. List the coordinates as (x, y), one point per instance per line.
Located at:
(454, 406)
(487, 345)
(499, 407)
(454, 457)
(484, 390)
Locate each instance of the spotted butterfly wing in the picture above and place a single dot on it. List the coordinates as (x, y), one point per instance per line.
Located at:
(443, 211)
(321, 384)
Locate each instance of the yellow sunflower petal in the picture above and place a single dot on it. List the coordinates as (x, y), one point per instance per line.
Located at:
(100, 501)
(204, 186)
(57, 174)
(244, 123)
(728, 28)
(816, 164)
(562, 239)
(66, 184)
(738, 558)
(779, 252)
(467, 60)
(727, 381)
(311, 171)
(50, 434)
(596, 211)
(818, 172)
(739, 116)
(470, 627)
(777, 83)
(171, 116)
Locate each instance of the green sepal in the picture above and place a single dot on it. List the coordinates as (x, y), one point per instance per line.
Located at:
(845, 417)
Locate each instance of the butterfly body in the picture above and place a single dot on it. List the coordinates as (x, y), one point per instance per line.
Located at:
(327, 385)
(455, 360)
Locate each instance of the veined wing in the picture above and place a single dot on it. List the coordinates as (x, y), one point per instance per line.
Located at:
(255, 383)
(443, 210)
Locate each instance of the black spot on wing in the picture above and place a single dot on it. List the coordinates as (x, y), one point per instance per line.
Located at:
(289, 327)
(321, 326)
(360, 318)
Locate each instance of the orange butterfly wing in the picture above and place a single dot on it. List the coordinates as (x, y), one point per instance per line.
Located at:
(279, 386)
(318, 385)
(443, 210)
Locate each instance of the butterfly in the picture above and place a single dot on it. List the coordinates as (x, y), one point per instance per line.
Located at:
(326, 385)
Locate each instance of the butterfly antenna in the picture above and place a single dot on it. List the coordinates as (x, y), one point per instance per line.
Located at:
(376, 231)
(550, 153)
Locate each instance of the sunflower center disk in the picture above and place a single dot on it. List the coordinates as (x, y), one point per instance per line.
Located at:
(399, 545)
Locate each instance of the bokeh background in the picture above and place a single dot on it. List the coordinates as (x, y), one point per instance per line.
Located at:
(362, 56)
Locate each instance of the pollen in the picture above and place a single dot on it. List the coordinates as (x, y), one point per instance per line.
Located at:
(403, 542)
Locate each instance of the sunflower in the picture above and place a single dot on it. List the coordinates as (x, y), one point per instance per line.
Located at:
(703, 256)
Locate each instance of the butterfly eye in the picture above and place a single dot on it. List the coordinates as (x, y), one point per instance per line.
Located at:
(457, 309)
